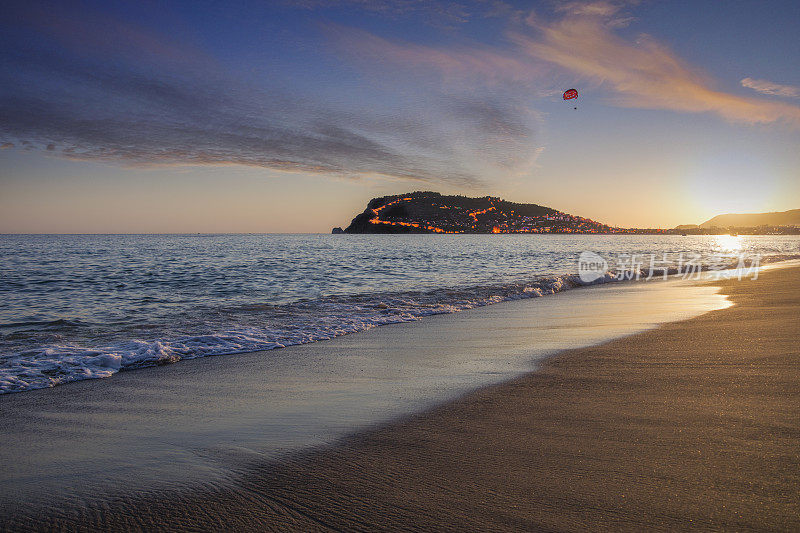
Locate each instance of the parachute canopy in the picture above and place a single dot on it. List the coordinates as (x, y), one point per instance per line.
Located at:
(569, 94)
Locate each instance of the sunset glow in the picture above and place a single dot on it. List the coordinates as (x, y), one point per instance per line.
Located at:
(393, 265)
(313, 108)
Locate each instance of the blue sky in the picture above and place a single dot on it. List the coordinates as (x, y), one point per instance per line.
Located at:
(289, 115)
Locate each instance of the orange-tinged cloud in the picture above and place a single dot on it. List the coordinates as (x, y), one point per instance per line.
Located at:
(641, 73)
(599, 8)
(644, 73)
(771, 88)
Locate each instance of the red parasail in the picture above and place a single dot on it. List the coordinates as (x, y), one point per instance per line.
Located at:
(570, 94)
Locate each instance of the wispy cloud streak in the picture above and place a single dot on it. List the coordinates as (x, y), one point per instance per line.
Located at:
(78, 102)
(478, 97)
(582, 40)
(94, 87)
(771, 88)
(91, 86)
(132, 119)
(481, 65)
(641, 73)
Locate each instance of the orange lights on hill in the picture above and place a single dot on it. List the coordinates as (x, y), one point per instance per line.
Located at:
(475, 214)
(433, 217)
(409, 225)
(384, 206)
(377, 220)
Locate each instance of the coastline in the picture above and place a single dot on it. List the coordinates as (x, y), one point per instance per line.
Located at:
(597, 437)
(155, 315)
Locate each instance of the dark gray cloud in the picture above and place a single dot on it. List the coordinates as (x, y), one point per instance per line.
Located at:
(83, 111)
(121, 116)
(76, 95)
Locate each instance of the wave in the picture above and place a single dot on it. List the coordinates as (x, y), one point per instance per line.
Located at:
(301, 322)
(267, 327)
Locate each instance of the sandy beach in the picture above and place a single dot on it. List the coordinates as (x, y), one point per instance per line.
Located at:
(690, 425)
(399, 265)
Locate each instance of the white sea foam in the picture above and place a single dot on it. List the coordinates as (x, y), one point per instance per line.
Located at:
(154, 300)
(310, 322)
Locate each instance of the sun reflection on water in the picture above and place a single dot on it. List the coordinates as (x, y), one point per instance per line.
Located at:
(728, 243)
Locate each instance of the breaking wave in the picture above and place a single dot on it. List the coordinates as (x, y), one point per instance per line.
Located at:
(86, 307)
(284, 325)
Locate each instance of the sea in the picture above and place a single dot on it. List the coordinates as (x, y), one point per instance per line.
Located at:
(78, 307)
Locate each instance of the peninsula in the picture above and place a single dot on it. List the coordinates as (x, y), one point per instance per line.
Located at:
(432, 212)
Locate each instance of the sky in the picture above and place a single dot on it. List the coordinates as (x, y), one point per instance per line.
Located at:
(289, 115)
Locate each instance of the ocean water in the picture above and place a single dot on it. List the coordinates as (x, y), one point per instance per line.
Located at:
(76, 307)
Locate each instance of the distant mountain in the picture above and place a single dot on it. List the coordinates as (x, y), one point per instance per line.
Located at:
(431, 212)
(754, 220)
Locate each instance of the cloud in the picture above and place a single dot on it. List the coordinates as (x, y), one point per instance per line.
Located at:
(611, 11)
(77, 110)
(771, 88)
(477, 64)
(601, 8)
(581, 41)
(477, 97)
(224, 136)
(641, 73)
(96, 88)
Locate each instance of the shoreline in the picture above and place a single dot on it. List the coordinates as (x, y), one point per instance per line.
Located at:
(62, 346)
(472, 458)
(546, 285)
(195, 422)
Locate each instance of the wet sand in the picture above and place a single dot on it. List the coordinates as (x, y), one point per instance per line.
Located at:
(691, 425)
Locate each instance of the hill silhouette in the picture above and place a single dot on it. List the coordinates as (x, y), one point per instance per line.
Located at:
(432, 212)
(753, 220)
